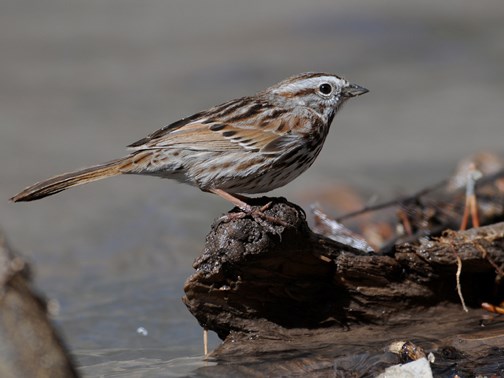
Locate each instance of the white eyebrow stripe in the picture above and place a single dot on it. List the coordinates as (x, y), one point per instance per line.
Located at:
(311, 83)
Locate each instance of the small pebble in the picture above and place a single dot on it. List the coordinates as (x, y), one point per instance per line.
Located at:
(142, 331)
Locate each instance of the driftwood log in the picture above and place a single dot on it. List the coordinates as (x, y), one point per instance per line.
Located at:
(266, 287)
(251, 278)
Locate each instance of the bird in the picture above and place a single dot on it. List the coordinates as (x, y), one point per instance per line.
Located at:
(248, 145)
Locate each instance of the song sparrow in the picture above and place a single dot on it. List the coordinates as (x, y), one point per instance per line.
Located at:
(249, 145)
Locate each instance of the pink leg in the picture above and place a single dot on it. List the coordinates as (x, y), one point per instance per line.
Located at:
(235, 200)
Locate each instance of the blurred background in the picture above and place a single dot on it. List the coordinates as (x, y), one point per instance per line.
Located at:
(81, 80)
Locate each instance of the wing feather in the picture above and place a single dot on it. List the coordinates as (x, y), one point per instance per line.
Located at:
(268, 135)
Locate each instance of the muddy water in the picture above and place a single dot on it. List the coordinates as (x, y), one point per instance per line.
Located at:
(80, 81)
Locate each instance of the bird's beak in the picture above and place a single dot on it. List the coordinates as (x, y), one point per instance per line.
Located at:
(353, 90)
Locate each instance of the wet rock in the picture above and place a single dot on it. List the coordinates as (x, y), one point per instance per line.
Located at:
(29, 345)
(416, 369)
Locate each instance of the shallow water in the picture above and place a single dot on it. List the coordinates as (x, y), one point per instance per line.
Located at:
(80, 81)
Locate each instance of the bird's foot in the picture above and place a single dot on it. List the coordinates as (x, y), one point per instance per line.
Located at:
(257, 213)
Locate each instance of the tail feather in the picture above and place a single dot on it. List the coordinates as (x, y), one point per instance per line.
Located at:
(64, 181)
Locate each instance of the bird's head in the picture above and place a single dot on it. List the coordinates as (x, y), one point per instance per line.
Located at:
(321, 92)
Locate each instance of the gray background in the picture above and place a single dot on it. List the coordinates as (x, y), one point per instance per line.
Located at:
(81, 80)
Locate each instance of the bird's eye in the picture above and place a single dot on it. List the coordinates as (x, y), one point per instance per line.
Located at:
(325, 88)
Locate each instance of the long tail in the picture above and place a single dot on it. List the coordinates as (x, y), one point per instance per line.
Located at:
(67, 180)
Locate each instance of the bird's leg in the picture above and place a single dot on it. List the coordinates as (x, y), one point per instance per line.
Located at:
(239, 201)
